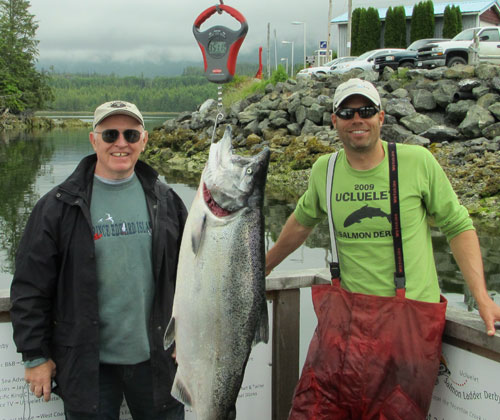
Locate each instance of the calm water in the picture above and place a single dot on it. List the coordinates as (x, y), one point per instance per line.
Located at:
(32, 163)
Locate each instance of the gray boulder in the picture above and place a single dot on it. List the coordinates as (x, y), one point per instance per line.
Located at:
(475, 121)
(315, 113)
(417, 123)
(423, 100)
(456, 112)
(492, 131)
(395, 133)
(440, 133)
(399, 107)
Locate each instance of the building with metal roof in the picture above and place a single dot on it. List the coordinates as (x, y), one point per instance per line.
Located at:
(474, 13)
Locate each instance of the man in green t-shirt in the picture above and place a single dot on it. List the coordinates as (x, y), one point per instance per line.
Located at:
(361, 210)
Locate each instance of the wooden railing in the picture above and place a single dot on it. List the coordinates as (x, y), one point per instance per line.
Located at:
(463, 329)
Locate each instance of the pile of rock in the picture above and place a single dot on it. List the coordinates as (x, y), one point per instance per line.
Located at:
(453, 111)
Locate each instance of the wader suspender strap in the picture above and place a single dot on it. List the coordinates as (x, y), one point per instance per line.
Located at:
(334, 265)
(399, 275)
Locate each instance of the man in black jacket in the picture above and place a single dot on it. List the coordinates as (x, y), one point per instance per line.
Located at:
(94, 281)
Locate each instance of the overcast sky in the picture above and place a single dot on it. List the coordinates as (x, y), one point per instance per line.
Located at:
(151, 30)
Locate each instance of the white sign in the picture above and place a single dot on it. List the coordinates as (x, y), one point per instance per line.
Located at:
(18, 403)
(467, 387)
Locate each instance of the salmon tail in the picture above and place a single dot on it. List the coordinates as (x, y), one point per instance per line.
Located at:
(232, 413)
(180, 392)
(262, 332)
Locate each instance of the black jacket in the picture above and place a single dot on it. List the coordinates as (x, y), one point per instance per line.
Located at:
(54, 291)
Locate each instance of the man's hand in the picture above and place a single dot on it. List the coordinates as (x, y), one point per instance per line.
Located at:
(490, 312)
(465, 249)
(39, 379)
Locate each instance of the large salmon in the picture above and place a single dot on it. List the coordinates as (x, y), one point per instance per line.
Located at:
(220, 306)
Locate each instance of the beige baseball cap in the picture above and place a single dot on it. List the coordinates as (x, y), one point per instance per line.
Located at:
(356, 87)
(116, 107)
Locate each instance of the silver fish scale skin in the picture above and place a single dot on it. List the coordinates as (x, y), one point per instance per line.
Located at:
(224, 287)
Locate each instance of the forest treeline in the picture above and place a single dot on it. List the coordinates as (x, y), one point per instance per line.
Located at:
(83, 92)
(74, 92)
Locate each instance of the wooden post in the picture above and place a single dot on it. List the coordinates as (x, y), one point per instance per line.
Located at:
(285, 370)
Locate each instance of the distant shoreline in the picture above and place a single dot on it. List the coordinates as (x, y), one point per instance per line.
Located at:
(46, 113)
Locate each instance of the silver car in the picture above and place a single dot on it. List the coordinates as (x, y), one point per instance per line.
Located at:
(325, 68)
(364, 61)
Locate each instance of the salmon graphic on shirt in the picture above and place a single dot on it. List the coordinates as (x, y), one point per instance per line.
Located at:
(365, 212)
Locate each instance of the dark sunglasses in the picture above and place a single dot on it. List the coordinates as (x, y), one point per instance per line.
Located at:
(112, 134)
(364, 112)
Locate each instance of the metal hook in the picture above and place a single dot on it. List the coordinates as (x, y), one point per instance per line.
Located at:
(217, 7)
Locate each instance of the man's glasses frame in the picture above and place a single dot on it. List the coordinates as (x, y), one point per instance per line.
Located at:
(112, 134)
(364, 112)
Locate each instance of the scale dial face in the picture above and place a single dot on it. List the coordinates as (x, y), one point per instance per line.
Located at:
(217, 48)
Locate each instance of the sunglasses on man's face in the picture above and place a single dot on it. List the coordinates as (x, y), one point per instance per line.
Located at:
(363, 112)
(112, 134)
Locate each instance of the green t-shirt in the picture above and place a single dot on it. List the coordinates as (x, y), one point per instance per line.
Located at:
(361, 214)
(123, 241)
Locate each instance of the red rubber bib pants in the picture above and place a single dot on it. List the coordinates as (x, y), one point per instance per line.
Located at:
(371, 357)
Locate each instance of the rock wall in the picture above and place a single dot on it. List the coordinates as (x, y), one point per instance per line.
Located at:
(455, 112)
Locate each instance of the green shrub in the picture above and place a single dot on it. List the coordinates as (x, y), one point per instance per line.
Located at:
(279, 75)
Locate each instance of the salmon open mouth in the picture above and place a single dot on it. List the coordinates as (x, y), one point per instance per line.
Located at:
(212, 204)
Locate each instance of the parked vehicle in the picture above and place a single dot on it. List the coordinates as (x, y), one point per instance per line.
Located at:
(404, 58)
(325, 68)
(459, 49)
(364, 61)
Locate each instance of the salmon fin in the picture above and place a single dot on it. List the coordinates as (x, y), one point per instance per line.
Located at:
(231, 415)
(180, 392)
(262, 332)
(169, 336)
(197, 233)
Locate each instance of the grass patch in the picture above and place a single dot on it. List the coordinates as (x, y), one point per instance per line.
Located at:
(242, 86)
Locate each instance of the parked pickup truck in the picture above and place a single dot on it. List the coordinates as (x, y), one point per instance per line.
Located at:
(404, 58)
(459, 50)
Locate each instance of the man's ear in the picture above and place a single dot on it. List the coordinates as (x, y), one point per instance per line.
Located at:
(92, 139)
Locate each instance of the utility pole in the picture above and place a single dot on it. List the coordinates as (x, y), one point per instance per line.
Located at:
(268, 50)
(349, 19)
(328, 39)
(275, 51)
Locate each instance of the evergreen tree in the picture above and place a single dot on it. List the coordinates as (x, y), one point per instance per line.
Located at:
(415, 22)
(22, 87)
(422, 21)
(364, 33)
(395, 28)
(368, 30)
(429, 24)
(400, 25)
(373, 29)
(390, 30)
(449, 22)
(355, 32)
(458, 18)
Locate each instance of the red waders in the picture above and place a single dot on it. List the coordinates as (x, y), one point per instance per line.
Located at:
(371, 357)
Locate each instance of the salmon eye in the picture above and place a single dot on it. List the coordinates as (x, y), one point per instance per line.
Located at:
(249, 171)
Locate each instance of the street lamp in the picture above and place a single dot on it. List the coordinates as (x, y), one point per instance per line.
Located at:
(290, 42)
(296, 22)
(286, 68)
